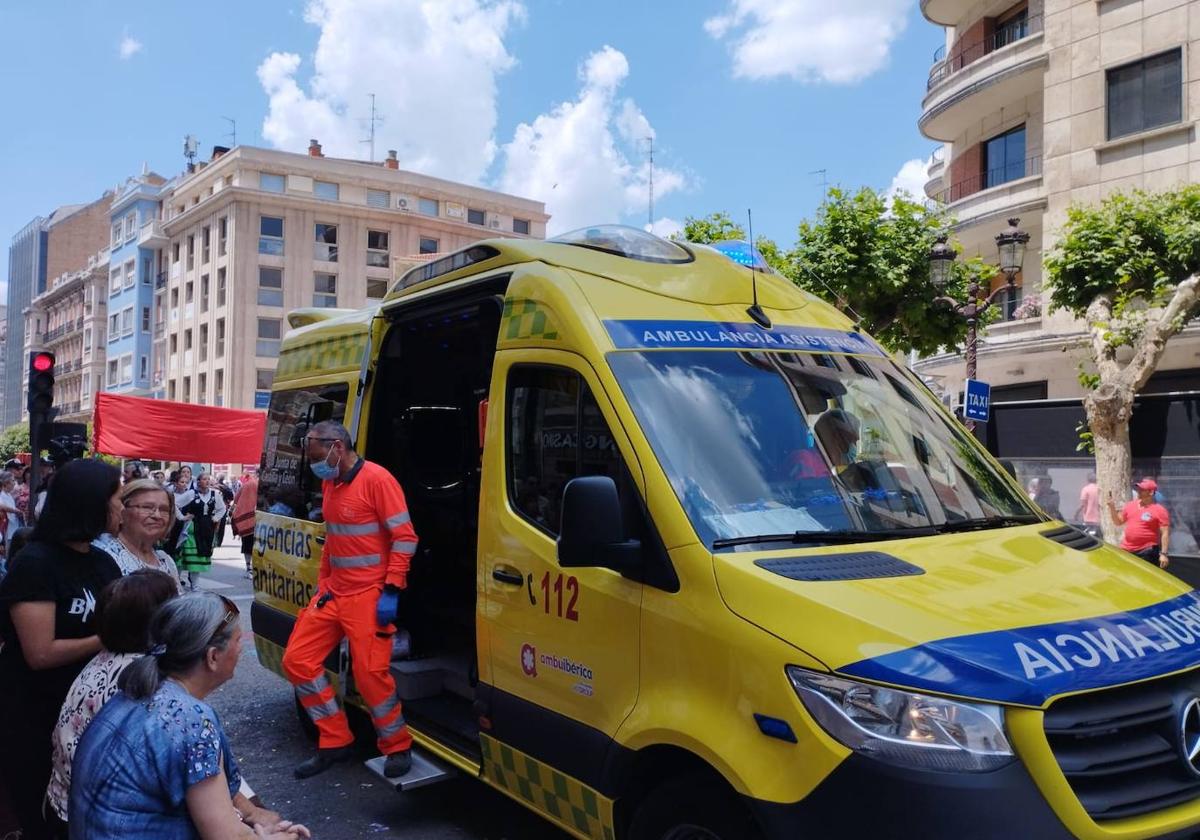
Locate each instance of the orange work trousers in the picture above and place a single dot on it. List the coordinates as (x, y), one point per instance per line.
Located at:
(317, 632)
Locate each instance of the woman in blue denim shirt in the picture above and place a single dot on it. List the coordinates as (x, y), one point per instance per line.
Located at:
(155, 762)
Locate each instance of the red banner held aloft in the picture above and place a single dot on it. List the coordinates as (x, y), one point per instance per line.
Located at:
(160, 430)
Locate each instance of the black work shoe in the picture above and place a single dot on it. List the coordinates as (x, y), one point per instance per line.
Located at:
(322, 761)
(397, 764)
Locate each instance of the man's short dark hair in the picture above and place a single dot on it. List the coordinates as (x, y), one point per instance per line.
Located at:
(126, 606)
(331, 429)
(77, 502)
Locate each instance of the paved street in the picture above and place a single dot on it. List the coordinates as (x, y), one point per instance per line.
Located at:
(257, 710)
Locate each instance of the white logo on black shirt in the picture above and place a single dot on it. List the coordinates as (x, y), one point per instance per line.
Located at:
(84, 606)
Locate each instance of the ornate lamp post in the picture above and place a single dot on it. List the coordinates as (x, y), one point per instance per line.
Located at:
(1011, 245)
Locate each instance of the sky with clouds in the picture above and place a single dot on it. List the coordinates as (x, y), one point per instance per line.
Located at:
(746, 103)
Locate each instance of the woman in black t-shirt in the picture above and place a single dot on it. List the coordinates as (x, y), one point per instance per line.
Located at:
(47, 625)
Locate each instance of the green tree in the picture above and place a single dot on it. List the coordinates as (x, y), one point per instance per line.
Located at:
(1127, 267)
(719, 227)
(14, 439)
(870, 254)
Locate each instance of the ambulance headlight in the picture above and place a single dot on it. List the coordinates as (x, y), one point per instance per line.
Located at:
(903, 728)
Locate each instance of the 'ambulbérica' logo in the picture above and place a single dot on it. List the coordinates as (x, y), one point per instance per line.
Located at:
(529, 660)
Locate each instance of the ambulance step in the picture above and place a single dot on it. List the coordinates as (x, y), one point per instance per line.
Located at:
(425, 770)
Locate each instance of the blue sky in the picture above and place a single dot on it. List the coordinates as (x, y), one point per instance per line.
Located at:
(547, 98)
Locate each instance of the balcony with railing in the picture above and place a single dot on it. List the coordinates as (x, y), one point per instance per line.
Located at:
(981, 76)
(937, 170)
(152, 235)
(946, 12)
(160, 280)
(1010, 189)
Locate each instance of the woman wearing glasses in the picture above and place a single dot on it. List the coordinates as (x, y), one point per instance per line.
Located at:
(148, 512)
(155, 762)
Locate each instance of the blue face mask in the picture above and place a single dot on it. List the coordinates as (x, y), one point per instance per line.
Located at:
(852, 453)
(324, 470)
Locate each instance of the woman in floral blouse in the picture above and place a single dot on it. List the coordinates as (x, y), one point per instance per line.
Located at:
(148, 512)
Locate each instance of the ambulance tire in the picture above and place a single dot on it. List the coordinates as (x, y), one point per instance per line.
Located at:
(696, 806)
(306, 725)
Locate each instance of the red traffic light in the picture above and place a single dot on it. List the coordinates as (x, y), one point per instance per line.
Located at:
(42, 362)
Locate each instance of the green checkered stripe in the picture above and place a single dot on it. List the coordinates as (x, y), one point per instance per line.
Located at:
(570, 803)
(524, 319)
(326, 354)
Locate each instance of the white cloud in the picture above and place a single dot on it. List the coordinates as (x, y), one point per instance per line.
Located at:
(910, 179)
(586, 157)
(432, 66)
(665, 226)
(129, 47)
(810, 40)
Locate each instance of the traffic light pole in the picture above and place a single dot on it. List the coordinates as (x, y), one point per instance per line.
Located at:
(41, 409)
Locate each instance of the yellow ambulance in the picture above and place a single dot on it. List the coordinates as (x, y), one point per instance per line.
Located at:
(699, 560)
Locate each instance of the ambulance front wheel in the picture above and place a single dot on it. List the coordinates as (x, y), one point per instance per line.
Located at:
(306, 725)
(696, 806)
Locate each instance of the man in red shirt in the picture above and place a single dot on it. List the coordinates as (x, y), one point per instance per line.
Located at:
(369, 541)
(1147, 524)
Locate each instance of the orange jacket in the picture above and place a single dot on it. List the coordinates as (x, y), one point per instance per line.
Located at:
(369, 537)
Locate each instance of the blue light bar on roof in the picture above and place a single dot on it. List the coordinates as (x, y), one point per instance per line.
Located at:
(742, 253)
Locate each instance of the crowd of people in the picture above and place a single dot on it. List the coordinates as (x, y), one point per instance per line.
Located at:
(105, 664)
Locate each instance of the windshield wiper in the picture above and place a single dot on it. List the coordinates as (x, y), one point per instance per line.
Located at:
(827, 537)
(1006, 521)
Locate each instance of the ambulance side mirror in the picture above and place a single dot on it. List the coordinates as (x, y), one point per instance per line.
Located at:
(592, 533)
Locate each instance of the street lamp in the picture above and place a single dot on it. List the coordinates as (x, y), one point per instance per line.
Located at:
(1011, 245)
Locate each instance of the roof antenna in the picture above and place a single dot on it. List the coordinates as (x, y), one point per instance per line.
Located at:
(755, 311)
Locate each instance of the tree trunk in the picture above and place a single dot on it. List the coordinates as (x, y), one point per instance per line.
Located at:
(1109, 409)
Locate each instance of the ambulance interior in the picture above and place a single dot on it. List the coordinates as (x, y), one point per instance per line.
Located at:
(433, 374)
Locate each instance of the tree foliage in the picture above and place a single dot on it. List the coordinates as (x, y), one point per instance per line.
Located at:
(870, 254)
(719, 227)
(14, 439)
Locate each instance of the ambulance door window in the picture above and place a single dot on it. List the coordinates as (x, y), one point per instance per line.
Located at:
(286, 486)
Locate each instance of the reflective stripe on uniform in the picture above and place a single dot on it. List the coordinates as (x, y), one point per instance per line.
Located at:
(401, 518)
(323, 710)
(318, 685)
(355, 561)
(404, 547)
(388, 730)
(384, 709)
(362, 529)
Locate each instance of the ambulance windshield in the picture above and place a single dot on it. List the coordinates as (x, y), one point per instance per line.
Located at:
(775, 443)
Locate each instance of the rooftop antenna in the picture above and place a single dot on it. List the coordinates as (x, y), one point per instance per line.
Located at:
(232, 135)
(190, 147)
(374, 118)
(755, 311)
(650, 212)
(824, 182)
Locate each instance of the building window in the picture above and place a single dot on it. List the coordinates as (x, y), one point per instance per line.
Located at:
(427, 206)
(220, 287)
(114, 280)
(187, 340)
(222, 235)
(87, 342)
(127, 321)
(325, 190)
(203, 292)
(147, 271)
(377, 248)
(376, 288)
(204, 342)
(476, 217)
(202, 388)
(325, 243)
(187, 389)
(379, 198)
(143, 368)
(270, 183)
(325, 290)
(220, 338)
(427, 246)
(205, 238)
(191, 251)
(130, 226)
(521, 226)
(189, 291)
(219, 391)
(1004, 158)
(1145, 94)
(114, 373)
(145, 319)
(114, 327)
(263, 379)
(270, 235)
(171, 390)
(269, 332)
(114, 241)
(174, 252)
(174, 343)
(130, 273)
(127, 369)
(270, 286)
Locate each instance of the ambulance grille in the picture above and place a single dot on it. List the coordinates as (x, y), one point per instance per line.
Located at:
(1120, 748)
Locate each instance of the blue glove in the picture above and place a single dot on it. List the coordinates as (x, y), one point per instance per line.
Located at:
(387, 606)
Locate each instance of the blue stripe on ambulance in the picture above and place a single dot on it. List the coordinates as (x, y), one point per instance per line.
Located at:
(1029, 665)
(708, 335)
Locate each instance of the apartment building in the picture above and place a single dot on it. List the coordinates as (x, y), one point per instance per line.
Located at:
(26, 278)
(1038, 105)
(3, 350)
(69, 320)
(254, 233)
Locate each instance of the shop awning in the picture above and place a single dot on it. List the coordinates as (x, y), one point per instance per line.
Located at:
(161, 430)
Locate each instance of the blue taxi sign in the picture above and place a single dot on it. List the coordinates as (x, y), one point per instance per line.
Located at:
(977, 400)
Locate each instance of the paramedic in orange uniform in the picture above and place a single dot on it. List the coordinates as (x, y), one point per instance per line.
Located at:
(369, 540)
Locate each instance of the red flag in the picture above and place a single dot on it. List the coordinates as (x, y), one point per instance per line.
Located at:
(161, 430)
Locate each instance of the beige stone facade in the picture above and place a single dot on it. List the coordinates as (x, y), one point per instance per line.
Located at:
(1107, 93)
(68, 319)
(255, 233)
